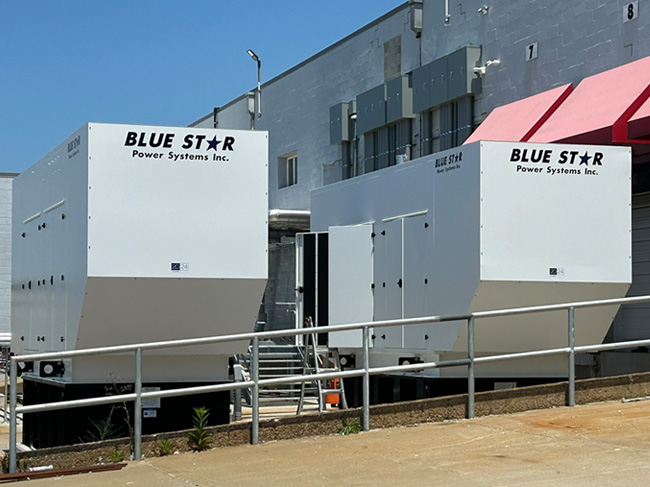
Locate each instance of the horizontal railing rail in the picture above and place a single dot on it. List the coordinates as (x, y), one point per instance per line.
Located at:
(330, 328)
(365, 372)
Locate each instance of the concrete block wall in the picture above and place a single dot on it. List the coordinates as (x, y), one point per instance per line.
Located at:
(300, 101)
(295, 105)
(575, 40)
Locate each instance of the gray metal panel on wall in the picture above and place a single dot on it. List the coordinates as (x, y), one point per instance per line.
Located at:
(438, 82)
(399, 99)
(465, 114)
(370, 158)
(371, 109)
(340, 122)
(446, 126)
(383, 153)
(461, 77)
(420, 83)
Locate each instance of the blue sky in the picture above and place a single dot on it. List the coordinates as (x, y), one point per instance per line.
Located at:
(65, 63)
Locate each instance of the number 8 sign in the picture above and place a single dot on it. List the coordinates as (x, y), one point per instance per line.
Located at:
(631, 11)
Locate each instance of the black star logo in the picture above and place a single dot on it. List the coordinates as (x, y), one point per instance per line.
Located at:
(213, 143)
(584, 159)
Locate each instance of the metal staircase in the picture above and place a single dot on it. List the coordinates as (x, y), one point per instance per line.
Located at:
(283, 360)
(279, 360)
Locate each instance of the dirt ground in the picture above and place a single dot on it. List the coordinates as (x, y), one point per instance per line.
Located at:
(411, 413)
(597, 444)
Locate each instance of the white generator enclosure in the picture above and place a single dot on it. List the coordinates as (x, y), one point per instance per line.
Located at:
(128, 234)
(485, 226)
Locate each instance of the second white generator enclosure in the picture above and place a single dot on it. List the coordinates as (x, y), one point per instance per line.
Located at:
(128, 234)
(486, 226)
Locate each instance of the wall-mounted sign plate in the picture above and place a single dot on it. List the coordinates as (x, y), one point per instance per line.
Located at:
(630, 11)
(531, 51)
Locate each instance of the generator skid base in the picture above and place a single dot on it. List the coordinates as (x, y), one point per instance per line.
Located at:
(95, 423)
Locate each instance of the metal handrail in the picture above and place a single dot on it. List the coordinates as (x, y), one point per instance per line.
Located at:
(330, 328)
(365, 372)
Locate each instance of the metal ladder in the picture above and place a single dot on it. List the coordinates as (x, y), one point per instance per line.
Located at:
(324, 360)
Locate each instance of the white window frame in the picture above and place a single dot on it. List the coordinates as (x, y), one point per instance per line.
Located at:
(288, 170)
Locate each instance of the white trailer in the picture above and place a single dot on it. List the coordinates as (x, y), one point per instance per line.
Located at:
(485, 226)
(128, 234)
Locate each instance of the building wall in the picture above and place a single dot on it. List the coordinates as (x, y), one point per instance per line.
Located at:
(295, 105)
(5, 251)
(575, 40)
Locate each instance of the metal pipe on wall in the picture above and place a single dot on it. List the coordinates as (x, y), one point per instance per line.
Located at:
(215, 117)
(289, 219)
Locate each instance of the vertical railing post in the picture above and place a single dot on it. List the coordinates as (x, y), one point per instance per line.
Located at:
(255, 428)
(137, 410)
(5, 352)
(237, 377)
(571, 399)
(366, 380)
(13, 417)
(470, 368)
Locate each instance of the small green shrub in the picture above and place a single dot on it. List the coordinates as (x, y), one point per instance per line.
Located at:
(199, 438)
(166, 446)
(349, 427)
(103, 429)
(117, 455)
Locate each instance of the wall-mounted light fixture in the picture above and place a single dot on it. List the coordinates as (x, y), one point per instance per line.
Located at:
(480, 70)
(258, 94)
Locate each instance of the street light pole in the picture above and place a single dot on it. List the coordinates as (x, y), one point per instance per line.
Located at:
(258, 94)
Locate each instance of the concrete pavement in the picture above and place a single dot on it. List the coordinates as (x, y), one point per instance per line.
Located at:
(598, 444)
